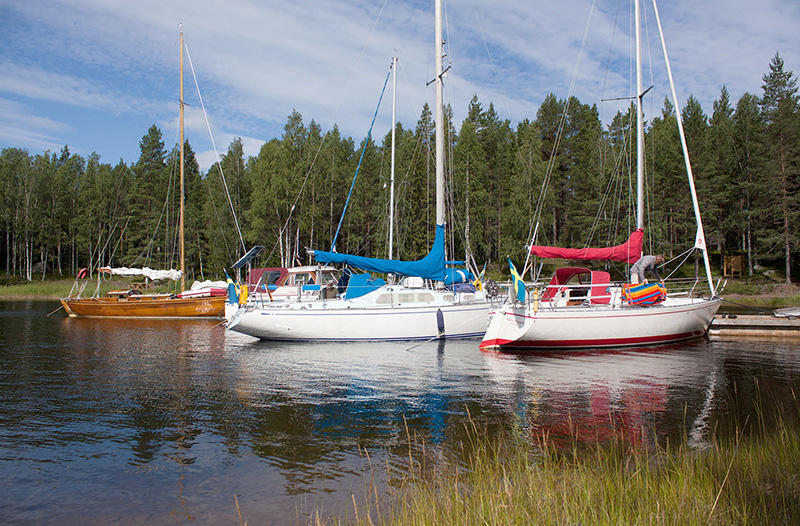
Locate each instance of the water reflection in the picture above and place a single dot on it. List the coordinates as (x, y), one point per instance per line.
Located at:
(592, 396)
(139, 375)
(164, 421)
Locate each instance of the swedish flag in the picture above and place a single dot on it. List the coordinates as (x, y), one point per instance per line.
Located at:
(478, 283)
(233, 295)
(519, 284)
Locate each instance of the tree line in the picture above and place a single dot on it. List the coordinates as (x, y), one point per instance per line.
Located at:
(563, 175)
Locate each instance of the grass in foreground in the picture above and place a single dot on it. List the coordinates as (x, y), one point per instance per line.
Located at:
(753, 480)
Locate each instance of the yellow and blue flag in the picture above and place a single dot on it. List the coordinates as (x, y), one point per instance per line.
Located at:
(478, 283)
(519, 284)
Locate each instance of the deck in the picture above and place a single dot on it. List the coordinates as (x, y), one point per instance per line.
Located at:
(754, 326)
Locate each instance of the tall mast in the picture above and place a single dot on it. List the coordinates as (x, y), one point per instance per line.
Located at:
(183, 269)
(391, 183)
(700, 241)
(639, 124)
(439, 117)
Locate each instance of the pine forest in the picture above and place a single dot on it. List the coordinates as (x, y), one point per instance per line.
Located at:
(62, 212)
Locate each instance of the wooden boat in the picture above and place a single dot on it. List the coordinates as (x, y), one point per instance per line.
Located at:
(128, 304)
(132, 303)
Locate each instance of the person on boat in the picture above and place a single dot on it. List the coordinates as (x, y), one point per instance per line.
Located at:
(643, 266)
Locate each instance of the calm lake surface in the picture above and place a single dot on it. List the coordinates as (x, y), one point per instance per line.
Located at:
(164, 422)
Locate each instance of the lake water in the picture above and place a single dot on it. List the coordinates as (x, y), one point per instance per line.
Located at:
(164, 422)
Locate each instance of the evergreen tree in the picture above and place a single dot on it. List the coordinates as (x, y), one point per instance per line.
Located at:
(524, 184)
(310, 188)
(229, 191)
(416, 197)
(195, 196)
(267, 213)
(337, 165)
(619, 171)
(70, 171)
(671, 220)
(548, 121)
(570, 135)
(149, 192)
(472, 180)
(749, 158)
(718, 190)
(779, 106)
(63, 211)
(405, 151)
(583, 172)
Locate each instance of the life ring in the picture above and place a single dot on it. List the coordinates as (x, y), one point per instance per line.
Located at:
(82, 273)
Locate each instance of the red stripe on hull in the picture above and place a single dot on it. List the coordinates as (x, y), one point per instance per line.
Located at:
(605, 342)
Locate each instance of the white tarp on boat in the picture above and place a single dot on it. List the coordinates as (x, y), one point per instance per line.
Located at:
(208, 284)
(147, 272)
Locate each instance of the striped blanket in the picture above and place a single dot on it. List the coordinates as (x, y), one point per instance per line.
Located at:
(644, 294)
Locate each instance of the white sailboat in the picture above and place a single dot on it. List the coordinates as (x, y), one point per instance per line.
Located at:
(360, 307)
(582, 308)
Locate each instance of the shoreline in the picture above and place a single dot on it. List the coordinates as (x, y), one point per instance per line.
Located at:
(760, 302)
(57, 289)
(763, 297)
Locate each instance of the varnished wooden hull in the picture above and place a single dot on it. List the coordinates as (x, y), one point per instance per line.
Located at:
(145, 307)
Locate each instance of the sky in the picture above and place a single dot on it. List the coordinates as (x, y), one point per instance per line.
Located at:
(94, 75)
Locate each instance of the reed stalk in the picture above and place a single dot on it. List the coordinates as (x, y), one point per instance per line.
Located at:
(752, 478)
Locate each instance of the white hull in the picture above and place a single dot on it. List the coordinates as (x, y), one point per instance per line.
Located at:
(519, 327)
(368, 318)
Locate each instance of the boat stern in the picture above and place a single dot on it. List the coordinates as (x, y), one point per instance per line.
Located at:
(66, 304)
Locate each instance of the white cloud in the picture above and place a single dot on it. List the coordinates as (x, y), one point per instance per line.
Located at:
(258, 61)
(19, 128)
(34, 83)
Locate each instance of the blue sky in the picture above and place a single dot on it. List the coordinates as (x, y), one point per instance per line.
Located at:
(96, 74)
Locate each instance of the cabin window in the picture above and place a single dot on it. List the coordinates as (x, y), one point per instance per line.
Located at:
(424, 297)
(384, 299)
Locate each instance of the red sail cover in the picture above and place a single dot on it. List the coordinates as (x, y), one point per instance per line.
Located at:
(628, 252)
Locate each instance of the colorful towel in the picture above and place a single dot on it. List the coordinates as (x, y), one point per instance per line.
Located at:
(644, 294)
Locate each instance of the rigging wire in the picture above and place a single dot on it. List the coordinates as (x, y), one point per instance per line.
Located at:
(401, 233)
(118, 192)
(120, 237)
(556, 143)
(358, 168)
(219, 221)
(527, 169)
(612, 232)
(686, 253)
(216, 153)
(146, 253)
(648, 187)
(455, 220)
(325, 136)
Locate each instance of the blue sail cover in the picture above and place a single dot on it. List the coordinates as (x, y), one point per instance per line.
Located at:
(430, 267)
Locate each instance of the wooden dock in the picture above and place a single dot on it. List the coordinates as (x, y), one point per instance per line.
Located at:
(754, 326)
